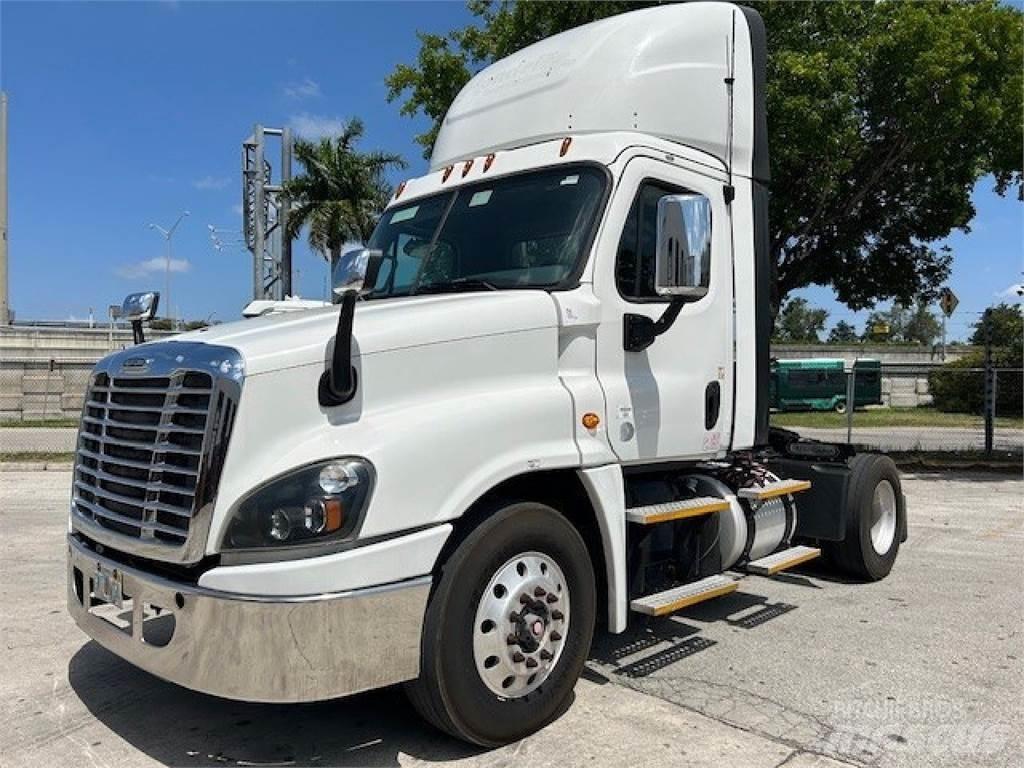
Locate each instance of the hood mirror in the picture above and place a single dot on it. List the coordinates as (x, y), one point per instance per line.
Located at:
(354, 275)
(356, 270)
(137, 308)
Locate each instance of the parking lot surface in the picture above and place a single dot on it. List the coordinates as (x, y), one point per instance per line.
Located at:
(922, 669)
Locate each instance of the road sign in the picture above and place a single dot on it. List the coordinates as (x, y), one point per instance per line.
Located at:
(948, 301)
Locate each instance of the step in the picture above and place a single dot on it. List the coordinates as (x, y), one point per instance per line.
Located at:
(671, 600)
(773, 490)
(676, 510)
(782, 560)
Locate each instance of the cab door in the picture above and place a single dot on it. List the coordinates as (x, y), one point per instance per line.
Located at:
(673, 400)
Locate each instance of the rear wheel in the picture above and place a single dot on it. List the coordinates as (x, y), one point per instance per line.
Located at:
(840, 406)
(508, 628)
(876, 519)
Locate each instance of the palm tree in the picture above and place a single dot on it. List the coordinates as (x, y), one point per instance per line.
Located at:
(342, 192)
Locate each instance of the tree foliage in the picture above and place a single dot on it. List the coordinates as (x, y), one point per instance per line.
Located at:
(882, 117)
(341, 191)
(800, 322)
(843, 333)
(1007, 326)
(903, 324)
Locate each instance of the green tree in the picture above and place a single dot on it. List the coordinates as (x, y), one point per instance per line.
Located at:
(901, 324)
(882, 117)
(920, 326)
(341, 192)
(799, 322)
(1007, 327)
(843, 333)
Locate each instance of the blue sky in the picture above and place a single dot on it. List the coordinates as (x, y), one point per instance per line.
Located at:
(123, 114)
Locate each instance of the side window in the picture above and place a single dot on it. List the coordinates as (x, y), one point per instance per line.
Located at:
(634, 265)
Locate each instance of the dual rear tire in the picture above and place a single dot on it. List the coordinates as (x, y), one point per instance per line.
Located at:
(508, 627)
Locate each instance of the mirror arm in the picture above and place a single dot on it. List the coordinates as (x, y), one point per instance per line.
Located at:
(338, 382)
(138, 336)
(639, 331)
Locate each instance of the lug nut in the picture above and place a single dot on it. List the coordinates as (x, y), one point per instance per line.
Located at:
(552, 597)
(531, 663)
(517, 657)
(555, 636)
(557, 615)
(512, 640)
(524, 599)
(514, 617)
(539, 592)
(545, 655)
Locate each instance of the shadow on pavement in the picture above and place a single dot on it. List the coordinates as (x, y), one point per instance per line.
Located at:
(176, 726)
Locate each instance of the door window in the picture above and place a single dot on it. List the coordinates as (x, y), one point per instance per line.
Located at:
(634, 265)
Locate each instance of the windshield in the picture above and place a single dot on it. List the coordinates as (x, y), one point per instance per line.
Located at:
(523, 231)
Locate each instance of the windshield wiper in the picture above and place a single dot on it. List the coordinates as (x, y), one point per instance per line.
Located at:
(458, 285)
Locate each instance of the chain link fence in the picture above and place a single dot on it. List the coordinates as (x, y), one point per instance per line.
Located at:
(40, 405)
(940, 410)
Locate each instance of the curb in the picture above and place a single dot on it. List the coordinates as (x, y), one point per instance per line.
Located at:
(35, 466)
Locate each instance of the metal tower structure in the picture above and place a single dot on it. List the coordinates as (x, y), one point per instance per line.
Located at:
(265, 214)
(5, 310)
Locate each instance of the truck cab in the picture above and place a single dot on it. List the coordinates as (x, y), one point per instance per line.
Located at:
(540, 406)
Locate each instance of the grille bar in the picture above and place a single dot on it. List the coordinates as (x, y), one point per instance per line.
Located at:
(143, 484)
(103, 513)
(145, 465)
(142, 445)
(165, 427)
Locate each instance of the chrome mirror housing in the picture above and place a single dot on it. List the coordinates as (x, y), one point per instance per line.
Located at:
(356, 270)
(140, 306)
(683, 256)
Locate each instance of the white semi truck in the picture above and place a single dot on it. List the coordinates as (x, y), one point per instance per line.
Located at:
(539, 406)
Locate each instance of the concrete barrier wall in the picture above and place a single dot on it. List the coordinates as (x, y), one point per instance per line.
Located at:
(44, 371)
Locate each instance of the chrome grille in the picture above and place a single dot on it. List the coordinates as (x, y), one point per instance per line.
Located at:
(151, 447)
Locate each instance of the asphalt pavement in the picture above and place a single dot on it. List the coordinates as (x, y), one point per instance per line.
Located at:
(922, 669)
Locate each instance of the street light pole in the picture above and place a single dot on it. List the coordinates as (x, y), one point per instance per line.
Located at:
(168, 235)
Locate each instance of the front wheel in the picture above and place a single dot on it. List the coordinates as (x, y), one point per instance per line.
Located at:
(508, 628)
(840, 406)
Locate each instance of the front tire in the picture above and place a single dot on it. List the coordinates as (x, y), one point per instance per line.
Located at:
(875, 519)
(508, 628)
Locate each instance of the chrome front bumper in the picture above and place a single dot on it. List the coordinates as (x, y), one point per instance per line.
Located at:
(249, 648)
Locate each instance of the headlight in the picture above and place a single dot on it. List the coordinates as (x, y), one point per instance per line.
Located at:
(321, 503)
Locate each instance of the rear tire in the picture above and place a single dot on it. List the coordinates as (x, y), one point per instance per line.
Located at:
(840, 406)
(466, 653)
(876, 519)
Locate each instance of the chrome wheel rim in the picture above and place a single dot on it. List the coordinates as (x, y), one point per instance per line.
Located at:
(522, 623)
(883, 517)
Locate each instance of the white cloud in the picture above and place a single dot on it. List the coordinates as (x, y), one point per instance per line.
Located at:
(212, 182)
(307, 88)
(316, 126)
(1013, 292)
(156, 265)
(237, 209)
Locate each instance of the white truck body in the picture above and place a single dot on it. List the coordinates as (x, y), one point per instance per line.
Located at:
(460, 394)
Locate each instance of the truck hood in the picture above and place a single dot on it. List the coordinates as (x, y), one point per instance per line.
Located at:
(301, 338)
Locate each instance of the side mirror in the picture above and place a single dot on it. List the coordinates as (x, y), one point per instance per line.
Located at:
(683, 256)
(356, 270)
(682, 266)
(354, 274)
(137, 308)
